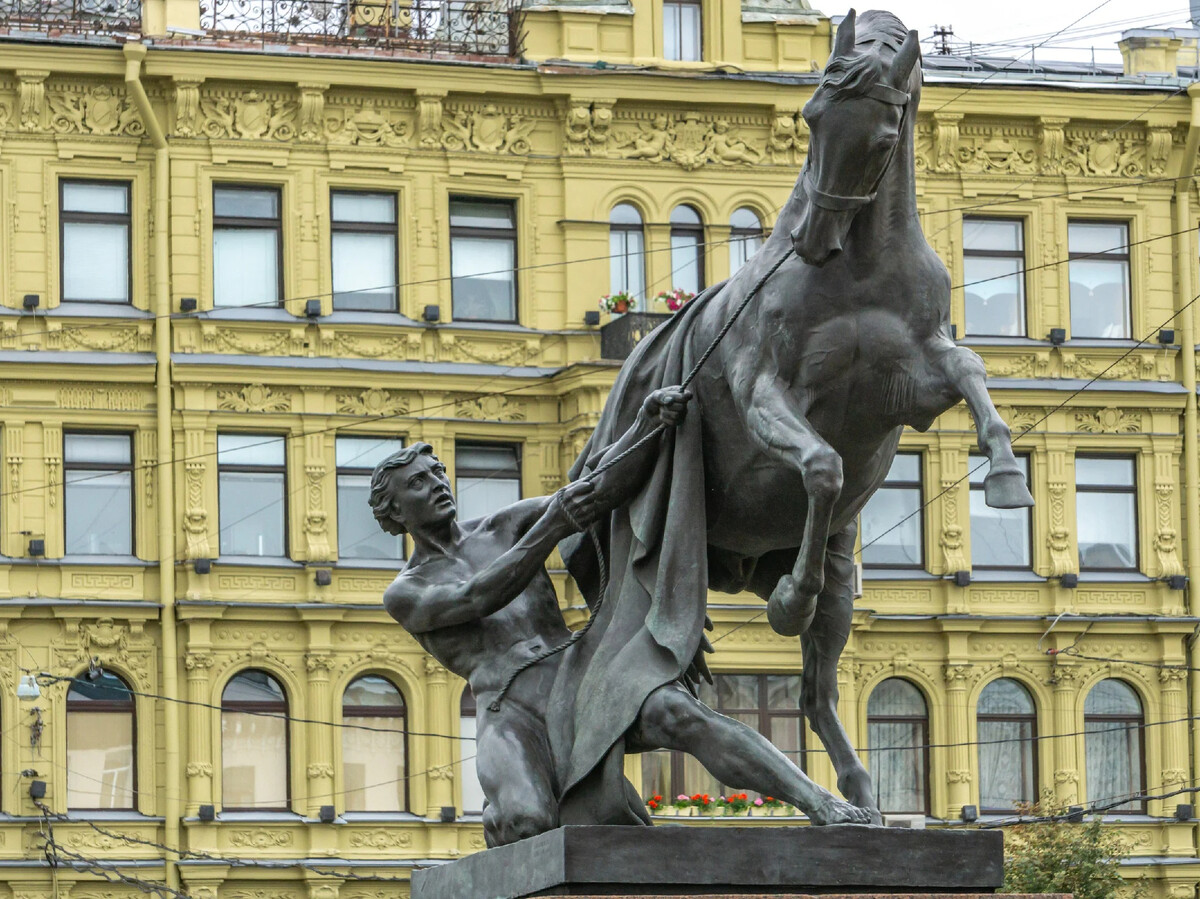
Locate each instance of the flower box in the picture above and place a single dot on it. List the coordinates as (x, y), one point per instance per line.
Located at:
(621, 335)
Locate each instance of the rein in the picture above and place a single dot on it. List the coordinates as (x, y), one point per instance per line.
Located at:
(601, 561)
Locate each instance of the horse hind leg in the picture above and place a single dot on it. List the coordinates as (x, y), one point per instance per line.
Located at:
(793, 602)
(822, 645)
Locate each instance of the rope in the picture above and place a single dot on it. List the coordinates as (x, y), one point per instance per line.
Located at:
(591, 531)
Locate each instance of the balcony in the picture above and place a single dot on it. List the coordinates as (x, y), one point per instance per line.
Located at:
(479, 28)
(82, 17)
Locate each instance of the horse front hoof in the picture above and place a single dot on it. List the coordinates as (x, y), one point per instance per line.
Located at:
(789, 612)
(1006, 490)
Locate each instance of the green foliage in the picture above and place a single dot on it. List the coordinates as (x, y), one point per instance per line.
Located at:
(1060, 857)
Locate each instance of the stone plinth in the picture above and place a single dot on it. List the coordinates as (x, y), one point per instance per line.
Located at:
(725, 862)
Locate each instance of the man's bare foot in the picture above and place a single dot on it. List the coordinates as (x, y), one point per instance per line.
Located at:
(838, 811)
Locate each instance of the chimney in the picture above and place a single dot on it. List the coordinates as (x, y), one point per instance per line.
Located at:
(1150, 51)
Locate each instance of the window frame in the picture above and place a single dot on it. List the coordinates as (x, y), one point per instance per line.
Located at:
(1032, 720)
(1028, 511)
(698, 5)
(1139, 724)
(244, 222)
(922, 745)
(338, 471)
(461, 471)
(379, 711)
(1131, 490)
(487, 234)
(130, 466)
(738, 235)
(393, 228)
(685, 229)
(1126, 256)
(624, 228)
(244, 706)
(1018, 255)
(66, 217)
(106, 707)
(919, 485)
(244, 468)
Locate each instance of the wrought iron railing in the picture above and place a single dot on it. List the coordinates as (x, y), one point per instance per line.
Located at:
(473, 27)
(75, 16)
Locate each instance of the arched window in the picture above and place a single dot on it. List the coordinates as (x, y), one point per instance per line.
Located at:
(1007, 723)
(626, 247)
(254, 743)
(374, 761)
(687, 249)
(897, 736)
(745, 237)
(1116, 763)
(101, 762)
(472, 791)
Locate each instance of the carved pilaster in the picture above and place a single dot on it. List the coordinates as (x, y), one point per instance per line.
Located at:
(429, 118)
(946, 159)
(441, 752)
(199, 769)
(1051, 140)
(1165, 532)
(958, 677)
(195, 524)
(52, 443)
(310, 121)
(320, 745)
(1064, 679)
(187, 106)
(14, 455)
(954, 557)
(1158, 148)
(31, 98)
(316, 525)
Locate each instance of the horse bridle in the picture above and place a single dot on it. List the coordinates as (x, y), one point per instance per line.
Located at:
(837, 203)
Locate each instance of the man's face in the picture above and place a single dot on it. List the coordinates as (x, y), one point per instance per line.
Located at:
(422, 492)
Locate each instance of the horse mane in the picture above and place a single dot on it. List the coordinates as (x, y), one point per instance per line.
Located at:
(853, 74)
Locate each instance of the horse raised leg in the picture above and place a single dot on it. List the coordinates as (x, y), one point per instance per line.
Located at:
(776, 420)
(1005, 486)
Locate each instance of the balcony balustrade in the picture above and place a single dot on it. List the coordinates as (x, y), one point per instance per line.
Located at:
(106, 17)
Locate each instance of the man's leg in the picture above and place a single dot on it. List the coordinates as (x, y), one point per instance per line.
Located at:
(515, 771)
(736, 755)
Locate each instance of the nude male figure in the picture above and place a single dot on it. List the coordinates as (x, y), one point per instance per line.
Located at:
(477, 597)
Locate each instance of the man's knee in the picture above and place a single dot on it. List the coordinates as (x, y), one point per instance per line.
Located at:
(672, 714)
(518, 821)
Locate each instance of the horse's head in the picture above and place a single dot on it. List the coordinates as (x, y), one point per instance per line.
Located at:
(856, 118)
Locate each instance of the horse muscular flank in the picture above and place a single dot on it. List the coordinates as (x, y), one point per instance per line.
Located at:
(846, 344)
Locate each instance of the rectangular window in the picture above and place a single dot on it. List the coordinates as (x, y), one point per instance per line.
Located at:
(892, 530)
(994, 277)
(487, 477)
(364, 247)
(1099, 254)
(766, 703)
(681, 30)
(94, 241)
(247, 246)
(359, 536)
(627, 273)
(999, 537)
(1106, 513)
(252, 494)
(98, 494)
(483, 259)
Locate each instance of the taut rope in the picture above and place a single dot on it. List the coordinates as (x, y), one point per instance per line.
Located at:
(600, 559)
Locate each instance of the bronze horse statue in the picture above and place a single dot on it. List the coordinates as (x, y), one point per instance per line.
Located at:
(798, 413)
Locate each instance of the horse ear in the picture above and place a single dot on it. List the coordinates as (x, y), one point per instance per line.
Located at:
(905, 59)
(844, 42)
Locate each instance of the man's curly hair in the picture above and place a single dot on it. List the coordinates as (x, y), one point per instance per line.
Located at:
(382, 507)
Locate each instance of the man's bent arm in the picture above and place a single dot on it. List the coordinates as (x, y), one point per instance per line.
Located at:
(617, 485)
(422, 606)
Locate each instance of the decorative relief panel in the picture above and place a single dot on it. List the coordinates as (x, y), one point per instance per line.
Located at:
(689, 141)
(252, 115)
(490, 408)
(788, 142)
(999, 150)
(1108, 421)
(1100, 152)
(487, 129)
(586, 129)
(253, 398)
(96, 109)
(367, 126)
(373, 401)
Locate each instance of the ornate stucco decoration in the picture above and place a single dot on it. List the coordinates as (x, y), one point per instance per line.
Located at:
(373, 401)
(1110, 420)
(586, 128)
(487, 130)
(788, 143)
(490, 408)
(688, 141)
(1094, 151)
(94, 110)
(777, 10)
(253, 398)
(368, 126)
(248, 116)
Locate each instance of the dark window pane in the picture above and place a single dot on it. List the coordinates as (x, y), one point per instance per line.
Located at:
(1005, 696)
(481, 214)
(1112, 697)
(253, 686)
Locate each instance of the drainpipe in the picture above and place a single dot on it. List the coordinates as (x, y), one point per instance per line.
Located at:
(1185, 262)
(172, 792)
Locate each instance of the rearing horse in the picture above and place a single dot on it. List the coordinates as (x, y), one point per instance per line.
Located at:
(804, 399)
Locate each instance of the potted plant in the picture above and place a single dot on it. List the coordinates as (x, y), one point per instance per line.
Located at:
(674, 299)
(617, 303)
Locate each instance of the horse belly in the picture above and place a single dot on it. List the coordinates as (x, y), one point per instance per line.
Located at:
(755, 505)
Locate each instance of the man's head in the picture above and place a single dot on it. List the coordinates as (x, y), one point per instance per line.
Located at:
(410, 489)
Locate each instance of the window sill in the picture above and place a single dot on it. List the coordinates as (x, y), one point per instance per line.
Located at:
(105, 560)
(258, 561)
(364, 317)
(113, 815)
(1007, 575)
(380, 818)
(259, 817)
(1116, 577)
(898, 574)
(370, 564)
(981, 341)
(98, 310)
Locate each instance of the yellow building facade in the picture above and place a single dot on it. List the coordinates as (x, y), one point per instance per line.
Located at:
(186, 342)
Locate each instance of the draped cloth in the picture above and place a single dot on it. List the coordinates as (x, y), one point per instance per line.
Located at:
(649, 627)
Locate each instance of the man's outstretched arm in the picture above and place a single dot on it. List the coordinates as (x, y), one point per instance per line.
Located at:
(616, 485)
(421, 605)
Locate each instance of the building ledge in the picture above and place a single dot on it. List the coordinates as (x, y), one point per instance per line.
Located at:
(258, 562)
(1005, 576)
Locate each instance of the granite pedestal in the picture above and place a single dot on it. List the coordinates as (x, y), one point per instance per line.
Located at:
(724, 862)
